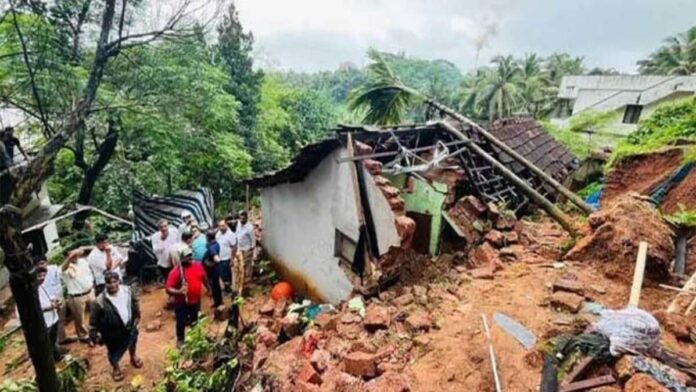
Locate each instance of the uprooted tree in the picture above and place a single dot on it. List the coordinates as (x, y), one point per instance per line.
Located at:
(20, 182)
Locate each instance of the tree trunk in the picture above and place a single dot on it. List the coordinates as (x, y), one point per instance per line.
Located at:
(104, 153)
(24, 290)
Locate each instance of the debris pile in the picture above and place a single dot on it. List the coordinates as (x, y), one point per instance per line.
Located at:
(359, 346)
(615, 233)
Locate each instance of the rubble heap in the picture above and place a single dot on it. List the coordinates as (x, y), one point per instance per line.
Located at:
(616, 232)
(358, 347)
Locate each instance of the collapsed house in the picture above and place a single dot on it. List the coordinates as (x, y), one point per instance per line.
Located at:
(332, 215)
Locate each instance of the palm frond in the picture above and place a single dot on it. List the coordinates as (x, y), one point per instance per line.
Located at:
(384, 99)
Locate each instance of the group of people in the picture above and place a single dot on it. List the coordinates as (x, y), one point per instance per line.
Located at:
(89, 281)
(220, 259)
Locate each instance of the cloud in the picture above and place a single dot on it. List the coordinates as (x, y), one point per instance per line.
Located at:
(310, 35)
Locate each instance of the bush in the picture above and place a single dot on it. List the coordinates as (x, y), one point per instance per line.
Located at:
(669, 125)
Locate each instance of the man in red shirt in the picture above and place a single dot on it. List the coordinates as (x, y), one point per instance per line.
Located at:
(186, 292)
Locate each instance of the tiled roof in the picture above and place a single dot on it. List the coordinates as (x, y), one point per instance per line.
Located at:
(528, 138)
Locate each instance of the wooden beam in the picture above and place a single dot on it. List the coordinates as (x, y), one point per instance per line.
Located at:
(491, 353)
(676, 302)
(575, 199)
(638, 274)
(589, 384)
(664, 286)
(549, 207)
(582, 367)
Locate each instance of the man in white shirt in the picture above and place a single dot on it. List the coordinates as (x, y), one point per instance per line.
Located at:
(228, 248)
(49, 307)
(78, 280)
(163, 241)
(103, 258)
(53, 286)
(187, 223)
(246, 242)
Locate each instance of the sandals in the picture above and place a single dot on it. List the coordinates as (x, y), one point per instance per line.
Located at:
(137, 362)
(117, 375)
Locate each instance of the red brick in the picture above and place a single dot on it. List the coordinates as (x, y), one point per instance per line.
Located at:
(301, 386)
(389, 191)
(566, 301)
(268, 308)
(486, 256)
(419, 320)
(473, 206)
(482, 273)
(264, 337)
(571, 286)
(504, 223)
(361, 364)
(511, 237)
(376, 317)
(389, 382)
(373, 167)
(320, 360)
(495, 238)
(326, 321)
(308, 374)
(403, 300)
(336, 380)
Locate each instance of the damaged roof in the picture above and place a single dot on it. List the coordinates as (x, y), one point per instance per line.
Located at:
(524, 135)
(529, 139)
(307, 159)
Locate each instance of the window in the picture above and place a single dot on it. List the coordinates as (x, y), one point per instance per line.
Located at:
(344, 247)
(632, 114)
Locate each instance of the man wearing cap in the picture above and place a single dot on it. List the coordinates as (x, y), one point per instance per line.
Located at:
(114, 323)
(187, 222)
(185, 285)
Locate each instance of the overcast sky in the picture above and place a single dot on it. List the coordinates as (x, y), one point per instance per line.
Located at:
(310, 35)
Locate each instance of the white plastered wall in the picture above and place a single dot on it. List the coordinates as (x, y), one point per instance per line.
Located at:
(300, 219)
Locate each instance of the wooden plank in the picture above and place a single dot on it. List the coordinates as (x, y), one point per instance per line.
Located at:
(677, 301)
(491, 353)
(664, 286)
(589, 384)
(578, 371)
(638, 274)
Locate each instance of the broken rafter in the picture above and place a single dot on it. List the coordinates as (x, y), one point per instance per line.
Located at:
(563, 219)
(519, 158)
(393, 153)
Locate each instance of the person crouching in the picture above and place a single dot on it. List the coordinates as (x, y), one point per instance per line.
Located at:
(114, 322)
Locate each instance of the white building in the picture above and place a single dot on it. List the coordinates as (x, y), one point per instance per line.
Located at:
(631, 97)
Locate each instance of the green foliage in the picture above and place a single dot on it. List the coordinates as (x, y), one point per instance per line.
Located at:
(590, 121)
(590, 189)
(384, 99)
(188, 369)
(72, 374)
(573, 141)
(676, 57)
(683, 217)
(18, 386)
(669, 124)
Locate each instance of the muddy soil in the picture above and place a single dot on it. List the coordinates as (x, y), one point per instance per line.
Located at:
(684, 194)
(641, 173)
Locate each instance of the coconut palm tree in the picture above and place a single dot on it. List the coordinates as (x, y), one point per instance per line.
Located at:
(536, 90)
(501, 95)
(559, 65)
(676, 57)
(471, 93)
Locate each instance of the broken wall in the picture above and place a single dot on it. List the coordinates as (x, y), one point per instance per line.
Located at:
(300, 223)
(424, 198)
